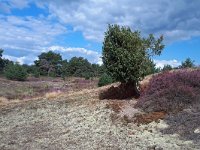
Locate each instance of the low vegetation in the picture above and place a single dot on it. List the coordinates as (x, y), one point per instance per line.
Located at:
(171, 91)
(39, 87)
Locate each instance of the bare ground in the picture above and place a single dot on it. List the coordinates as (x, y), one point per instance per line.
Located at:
(79, 120)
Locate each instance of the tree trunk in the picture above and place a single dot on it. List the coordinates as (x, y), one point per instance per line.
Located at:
(131, 89)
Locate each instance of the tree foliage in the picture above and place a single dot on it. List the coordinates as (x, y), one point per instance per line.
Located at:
(3, 62)
(126, 54)
(15, 72)
(80, 67)
(188, 63)
(32, 70)
(105, 79)
(150, 67)
(167, 68)
(49, 63)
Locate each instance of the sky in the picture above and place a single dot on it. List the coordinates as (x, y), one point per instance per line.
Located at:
(77, 27)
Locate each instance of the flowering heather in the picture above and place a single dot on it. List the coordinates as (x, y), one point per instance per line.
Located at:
(171, 91)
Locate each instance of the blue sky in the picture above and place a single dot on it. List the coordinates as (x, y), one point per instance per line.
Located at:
(76, 27)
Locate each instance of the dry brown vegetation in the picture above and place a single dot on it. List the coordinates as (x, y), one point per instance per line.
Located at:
(77, 119)
(37, 87)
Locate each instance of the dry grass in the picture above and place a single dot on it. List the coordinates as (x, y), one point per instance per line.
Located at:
(150, 117)
(3, 100)
(116, 106)
(51, 95)
(76, 120)
(79, 120)
(39, 87)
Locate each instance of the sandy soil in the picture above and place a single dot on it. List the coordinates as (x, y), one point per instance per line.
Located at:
(79, 120)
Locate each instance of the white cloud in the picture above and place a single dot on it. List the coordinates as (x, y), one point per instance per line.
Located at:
(4, 8)
(177, 20)
(91, 55)
(7, 5)
(66, 52)
(19, 3)
(21, 60)
(73, 49)
(161, 63)
(28, 33)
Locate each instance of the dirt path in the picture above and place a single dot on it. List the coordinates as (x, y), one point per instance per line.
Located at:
(79, 121)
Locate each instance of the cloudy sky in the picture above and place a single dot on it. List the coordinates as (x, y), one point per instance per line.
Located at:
(76, 27)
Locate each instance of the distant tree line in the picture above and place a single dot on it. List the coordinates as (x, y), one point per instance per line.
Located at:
(188, 63)
(50, 64)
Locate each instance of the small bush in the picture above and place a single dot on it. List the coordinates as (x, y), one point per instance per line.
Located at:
(36, 74)
(105, 79)
(171, 91)
(87, 76)
(15, 72)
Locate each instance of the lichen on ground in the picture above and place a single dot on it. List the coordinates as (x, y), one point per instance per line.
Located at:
(79, 120)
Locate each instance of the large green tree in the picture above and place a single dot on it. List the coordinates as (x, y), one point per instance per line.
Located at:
(79, 67)
(126, 54)
(49, 63)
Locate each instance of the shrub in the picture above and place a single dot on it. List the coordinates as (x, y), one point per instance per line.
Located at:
(15, 72)
(171, 91)
(87, 76)
(105, 79)
(34, 71)
(36, 74)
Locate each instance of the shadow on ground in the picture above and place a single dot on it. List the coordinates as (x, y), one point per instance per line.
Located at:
(186, 124)
(123, 91)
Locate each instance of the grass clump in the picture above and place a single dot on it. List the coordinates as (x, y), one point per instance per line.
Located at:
(171, 91)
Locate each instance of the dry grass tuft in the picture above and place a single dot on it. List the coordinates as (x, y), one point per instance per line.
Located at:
(3, 100)
(149, 117)
(51, 95)
(116, 106)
